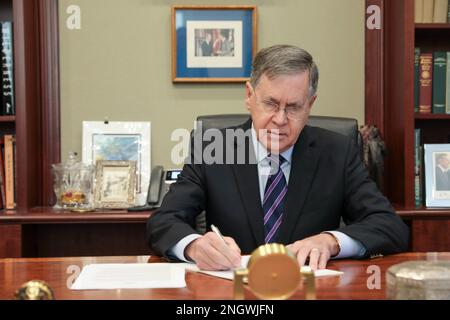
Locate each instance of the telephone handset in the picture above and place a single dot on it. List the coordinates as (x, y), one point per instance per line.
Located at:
(160, 181)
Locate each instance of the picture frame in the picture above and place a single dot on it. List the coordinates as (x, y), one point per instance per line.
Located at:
(120, 141)
(437, 175)
(213, 43)
(115, 184)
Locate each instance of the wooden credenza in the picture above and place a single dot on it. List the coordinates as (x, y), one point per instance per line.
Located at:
(44, 232)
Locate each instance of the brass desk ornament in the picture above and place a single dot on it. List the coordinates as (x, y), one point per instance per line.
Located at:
(35, 290)
(273, 273)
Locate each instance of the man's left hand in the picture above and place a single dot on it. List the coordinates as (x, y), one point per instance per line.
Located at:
(318, 248)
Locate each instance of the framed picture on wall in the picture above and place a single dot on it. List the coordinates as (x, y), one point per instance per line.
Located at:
(213, 43)
(115, 184)
(120, 141)
(437, 175)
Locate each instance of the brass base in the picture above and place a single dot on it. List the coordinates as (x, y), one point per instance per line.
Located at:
(82, 210)
(273, 273)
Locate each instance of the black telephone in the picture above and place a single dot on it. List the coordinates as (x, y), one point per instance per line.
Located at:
(160, 181)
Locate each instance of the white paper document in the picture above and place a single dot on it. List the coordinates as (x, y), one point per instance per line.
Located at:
(244, 261)
(131, 276)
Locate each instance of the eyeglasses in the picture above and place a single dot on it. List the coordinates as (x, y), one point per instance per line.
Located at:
(292, 112)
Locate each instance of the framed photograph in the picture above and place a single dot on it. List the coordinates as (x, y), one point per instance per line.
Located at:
(437, 175)
(213, 43)
(115, 184)
(120, 141)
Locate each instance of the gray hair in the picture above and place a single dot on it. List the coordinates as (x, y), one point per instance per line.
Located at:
(284, 60)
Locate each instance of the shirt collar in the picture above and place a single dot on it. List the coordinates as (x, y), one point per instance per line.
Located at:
(261, 151)
(443, 170)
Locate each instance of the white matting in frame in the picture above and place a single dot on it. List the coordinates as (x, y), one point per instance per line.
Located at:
(120, 141)
(194, 61)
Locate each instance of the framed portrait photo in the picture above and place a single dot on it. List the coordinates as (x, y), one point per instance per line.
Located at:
(115, 184)
(437, 175)
(120, 141)
(213, 43)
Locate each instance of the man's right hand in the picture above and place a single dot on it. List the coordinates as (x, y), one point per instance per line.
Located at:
(210, 253)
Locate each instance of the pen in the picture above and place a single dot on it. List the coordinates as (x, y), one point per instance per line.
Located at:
(216, 231)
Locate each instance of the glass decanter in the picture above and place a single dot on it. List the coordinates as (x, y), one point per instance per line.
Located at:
(73, 184)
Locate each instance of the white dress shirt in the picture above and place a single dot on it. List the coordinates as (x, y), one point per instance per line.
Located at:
(349, 246)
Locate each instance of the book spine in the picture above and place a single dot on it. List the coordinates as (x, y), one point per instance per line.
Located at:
(418, 11)
(416, 78)
(440, 11)
(1, 76)
(2, 171)
(428, 11)
(448, 13)
(417, 169)
(9, 171)
(439, 79)
(7, 70)
(426, 82)
(447, 98)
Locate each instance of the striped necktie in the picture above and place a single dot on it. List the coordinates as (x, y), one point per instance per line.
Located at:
(274, 197)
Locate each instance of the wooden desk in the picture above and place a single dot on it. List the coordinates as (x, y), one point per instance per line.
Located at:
(58, 272)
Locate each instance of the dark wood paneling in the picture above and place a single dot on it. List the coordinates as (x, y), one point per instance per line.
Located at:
(430, 235)
(27, 97)
(51, 131)
(374, 71)
(10, 241)
(435, 131)
(399, 117)
(69, 240)
(424, 213)
(430, 40)
(46, 215)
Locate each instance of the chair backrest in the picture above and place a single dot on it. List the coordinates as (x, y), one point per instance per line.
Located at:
(345, 126)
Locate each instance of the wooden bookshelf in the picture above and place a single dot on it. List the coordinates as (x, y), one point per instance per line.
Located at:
(421, 116)
(390, 51)
(394, 114)
(7, 118)
(36, 94)
(436, 26)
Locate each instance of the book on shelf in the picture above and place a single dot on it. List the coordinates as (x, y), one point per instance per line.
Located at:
(428, 11)
(7, 83)
(418, 11)
(9, 171)
(439, 81)
(431, 82)
(418, 186)
(416, 78)
(2, 173)
(448, 13)
(447, 95)
(425, 85)
(440, 11)
(431, 11)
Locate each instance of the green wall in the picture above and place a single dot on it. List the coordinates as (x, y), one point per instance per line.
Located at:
(119, 64)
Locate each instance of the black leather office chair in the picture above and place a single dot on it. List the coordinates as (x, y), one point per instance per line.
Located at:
(345, 126)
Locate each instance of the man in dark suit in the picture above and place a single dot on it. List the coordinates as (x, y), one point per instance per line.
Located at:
(293, 187)
(442, 172)
(207, 45)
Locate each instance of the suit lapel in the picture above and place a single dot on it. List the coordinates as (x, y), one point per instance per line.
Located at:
(247, 180)
(303, 167)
